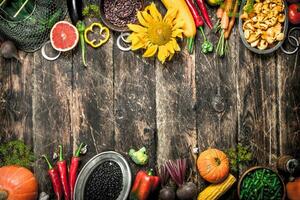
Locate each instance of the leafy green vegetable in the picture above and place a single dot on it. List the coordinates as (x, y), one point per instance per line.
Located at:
(139, 157)
(239, 157)
(91, 11)
(249, 6)
(16, 152)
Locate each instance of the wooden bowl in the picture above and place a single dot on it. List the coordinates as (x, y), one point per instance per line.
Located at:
(255, 168)
(108, 23)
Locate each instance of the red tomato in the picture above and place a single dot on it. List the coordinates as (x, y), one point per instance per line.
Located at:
(294, 13)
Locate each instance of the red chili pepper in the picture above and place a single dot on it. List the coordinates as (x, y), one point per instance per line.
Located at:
(55, 180)
(204, 13)
(198, 21)
(197, 18)
(144, 183)
(73, 170)
(63, 173)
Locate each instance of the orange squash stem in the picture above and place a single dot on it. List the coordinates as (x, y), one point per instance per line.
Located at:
(3, 194)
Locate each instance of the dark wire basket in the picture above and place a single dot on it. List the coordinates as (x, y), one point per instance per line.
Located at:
(28, 22)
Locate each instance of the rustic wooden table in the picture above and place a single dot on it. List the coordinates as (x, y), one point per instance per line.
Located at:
(122, 100)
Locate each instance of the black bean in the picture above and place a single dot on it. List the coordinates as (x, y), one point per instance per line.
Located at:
(122, 12)
(105, 182)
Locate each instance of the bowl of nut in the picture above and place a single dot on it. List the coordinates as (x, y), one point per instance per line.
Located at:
(263, 24)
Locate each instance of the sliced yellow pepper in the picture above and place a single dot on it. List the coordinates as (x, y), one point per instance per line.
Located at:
(94, 42)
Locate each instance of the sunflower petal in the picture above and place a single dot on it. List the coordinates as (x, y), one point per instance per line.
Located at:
(142, 20)
(150, 51)
(171, 56)
(170, 47)
(136, 46)
(148, 18)
(175, 45)
(177, 33)
(162, 54)
(136, 28)
(154, 12)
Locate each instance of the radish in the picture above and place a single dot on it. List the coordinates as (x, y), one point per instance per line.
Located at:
(167, 192)
(177, 170)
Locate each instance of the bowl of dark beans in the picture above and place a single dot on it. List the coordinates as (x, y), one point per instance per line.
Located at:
(105, 176)
(116, 14)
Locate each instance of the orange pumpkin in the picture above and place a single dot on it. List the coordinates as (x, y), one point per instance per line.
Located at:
(293, 189)
(213, 165)
(17, 183)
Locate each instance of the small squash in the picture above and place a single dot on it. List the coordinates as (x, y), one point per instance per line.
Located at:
(215, 191)
(213, 165)
(293, 189)
(17, 183)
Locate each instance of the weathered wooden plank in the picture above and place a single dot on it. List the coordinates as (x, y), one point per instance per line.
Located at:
(92, 102)
(257, 99)
(134, 104)
(16, 80)
(175, 99)
(216, 106)
(216, 95)
(51, 97)
(288, 101)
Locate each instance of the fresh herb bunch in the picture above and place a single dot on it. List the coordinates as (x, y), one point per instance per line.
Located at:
(16, 152)
(91, 11)
(239, 157)
(249, 6)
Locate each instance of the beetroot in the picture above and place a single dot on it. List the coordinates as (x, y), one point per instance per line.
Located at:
(167, 192)
(177, 170)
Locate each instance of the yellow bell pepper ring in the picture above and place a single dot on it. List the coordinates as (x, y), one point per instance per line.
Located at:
(102, 31)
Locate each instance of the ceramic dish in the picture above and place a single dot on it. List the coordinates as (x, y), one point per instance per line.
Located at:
(93, 163)
(108, 23)
(252, 169)
(268, 50)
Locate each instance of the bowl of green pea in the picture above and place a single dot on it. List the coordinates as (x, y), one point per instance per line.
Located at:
(261, 183)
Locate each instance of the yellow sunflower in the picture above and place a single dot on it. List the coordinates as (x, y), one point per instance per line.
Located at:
(156, 34)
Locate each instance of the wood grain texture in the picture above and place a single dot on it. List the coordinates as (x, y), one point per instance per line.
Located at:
(288, 102)
(124, 101)
(51, 96)
(134, 104)
(92, 99)
(17, 86)
(175, 100)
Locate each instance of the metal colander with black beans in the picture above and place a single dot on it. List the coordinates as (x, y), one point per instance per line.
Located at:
(105, 182)
(106, 176)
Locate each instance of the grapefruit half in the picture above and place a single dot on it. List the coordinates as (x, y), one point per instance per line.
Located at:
(64, 36)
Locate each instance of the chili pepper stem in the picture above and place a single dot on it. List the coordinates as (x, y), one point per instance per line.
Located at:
(190, 44)
(61, 158)
(77, 153)
(47, 161)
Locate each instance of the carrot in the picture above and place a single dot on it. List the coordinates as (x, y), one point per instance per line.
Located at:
(225, 17)
(220, 12)
(232, 20)
(184, 14)
(224, 20)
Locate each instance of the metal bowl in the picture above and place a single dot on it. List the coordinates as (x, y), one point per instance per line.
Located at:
(108, 23)
(94, 163)
(268, 50)
(256, 168)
